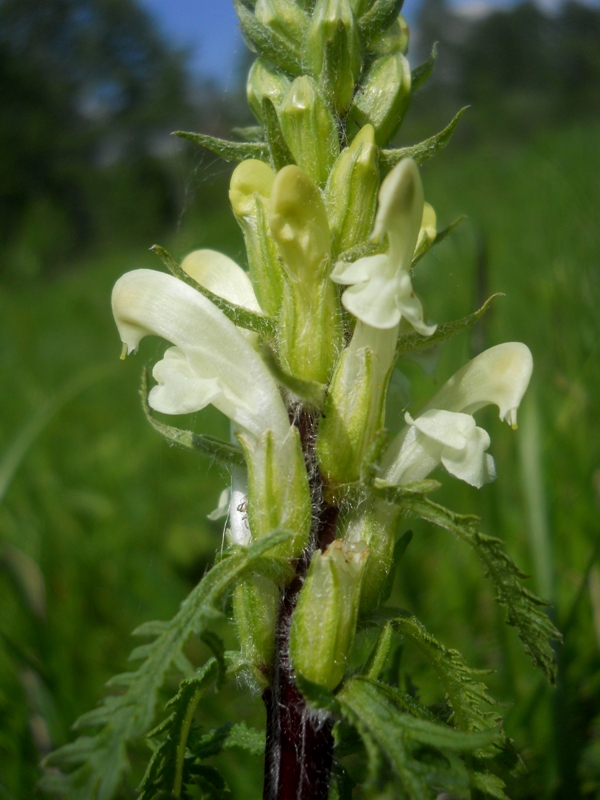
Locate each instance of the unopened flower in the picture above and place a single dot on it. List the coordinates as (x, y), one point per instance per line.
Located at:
(381, 292)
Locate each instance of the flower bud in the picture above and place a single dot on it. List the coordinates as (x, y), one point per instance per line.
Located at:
(278, 493)
(309, 129)
(354, 408)
(324, 622)
(393, 40)
(351, 193)
(376, 524)
(334, 51)
(249, 193)
(310, 322)
(265, 81)
(285, 18)
(384, 97)
(255, 602)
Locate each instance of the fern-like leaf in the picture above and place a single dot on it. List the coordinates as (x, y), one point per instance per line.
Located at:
(523, 607)
(101, 760)
(422, 754)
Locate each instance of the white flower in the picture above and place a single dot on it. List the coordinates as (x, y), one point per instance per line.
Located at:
(381, 292)
(222, 276)
(211, 362)
(445, 432)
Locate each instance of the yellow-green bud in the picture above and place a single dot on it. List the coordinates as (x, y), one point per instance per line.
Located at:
(265, 81)
(354, 407)
(249, 193)
(284, 17)
(383, 97)
(376, 524)
(324, 622)
(278, 493)
(394, 39)
(334, 51)
(310, 332)
(351, 193)
(255, 602)
(309, 129)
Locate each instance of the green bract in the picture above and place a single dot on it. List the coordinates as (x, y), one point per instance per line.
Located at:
(298, 353)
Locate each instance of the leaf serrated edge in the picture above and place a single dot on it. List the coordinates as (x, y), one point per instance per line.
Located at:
(423, 151)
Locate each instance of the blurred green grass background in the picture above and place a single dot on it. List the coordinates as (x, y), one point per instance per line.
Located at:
(103, 526)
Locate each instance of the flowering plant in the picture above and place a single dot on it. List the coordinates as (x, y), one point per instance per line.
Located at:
(298, 353)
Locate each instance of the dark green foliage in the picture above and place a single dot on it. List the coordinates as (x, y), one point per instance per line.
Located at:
(415, 753)
(523, 607)
(99, 761)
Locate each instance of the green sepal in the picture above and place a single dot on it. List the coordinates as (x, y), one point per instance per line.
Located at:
(230, 151)
(421, 74)
(280, 153)
(310, 393)
(221, 452)
(414, 341)
(522, 606)
(379, 17)
(423, 151)
(265, 326)
(266, 42)
(428, 243)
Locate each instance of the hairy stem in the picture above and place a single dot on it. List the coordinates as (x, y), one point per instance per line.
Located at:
(299, 747)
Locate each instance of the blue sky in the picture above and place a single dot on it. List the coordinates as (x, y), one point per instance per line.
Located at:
(209, 28)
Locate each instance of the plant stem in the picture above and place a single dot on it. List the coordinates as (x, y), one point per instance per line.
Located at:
(299, 748)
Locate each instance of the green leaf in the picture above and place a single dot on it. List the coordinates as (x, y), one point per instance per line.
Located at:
(280, 153)
(238, 315)
(424, 150)
(414, 341)
(421, 74)
(250, 133)
(310, 393)
(230, 151)
(266, 42)
(467, 695)
(373, 709)
(489, 784)
(428, 243)
(378, 18)
(395, 493)
(222, 452)
(522, 606)
(102, 760)
(165, 770)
